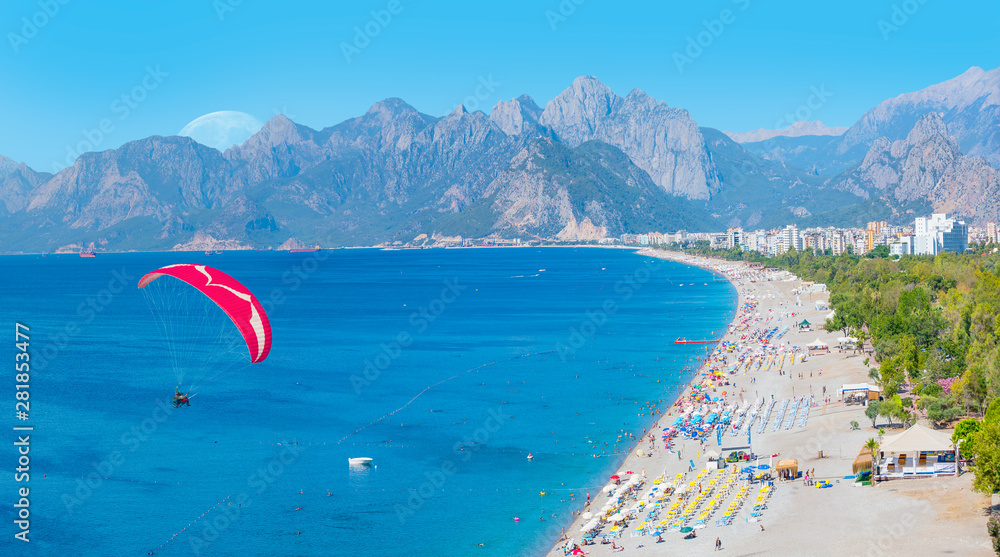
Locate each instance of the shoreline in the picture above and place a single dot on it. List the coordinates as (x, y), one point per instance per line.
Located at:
(866, 517)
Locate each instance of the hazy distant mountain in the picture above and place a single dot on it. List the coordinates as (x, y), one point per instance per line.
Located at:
(591, 164)
(927, 165)
(968, 104)
(798, 129)
(18, 183)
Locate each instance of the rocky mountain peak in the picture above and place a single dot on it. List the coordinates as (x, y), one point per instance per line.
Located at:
(969, 105)
(514, 115)
(929, 127)
(662, 140)
(277, 131)
(7, 166)
(392, 107)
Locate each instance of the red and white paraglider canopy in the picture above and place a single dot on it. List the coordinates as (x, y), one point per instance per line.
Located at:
(231, 296)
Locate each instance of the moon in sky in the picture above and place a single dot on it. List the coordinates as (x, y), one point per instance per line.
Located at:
(221, 130)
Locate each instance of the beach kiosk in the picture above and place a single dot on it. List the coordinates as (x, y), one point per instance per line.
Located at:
(787, 469)
(858, 393)
(818, 347)
(918, 452)
(805, 326)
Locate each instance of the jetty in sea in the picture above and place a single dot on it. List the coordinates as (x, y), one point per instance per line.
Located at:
(683, 340)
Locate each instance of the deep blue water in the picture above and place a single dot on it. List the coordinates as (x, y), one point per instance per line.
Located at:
(451, 467)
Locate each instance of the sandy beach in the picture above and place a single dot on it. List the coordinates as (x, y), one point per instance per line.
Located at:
(929, 516)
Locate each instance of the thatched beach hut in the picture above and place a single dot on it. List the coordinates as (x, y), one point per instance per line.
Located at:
(788, 468)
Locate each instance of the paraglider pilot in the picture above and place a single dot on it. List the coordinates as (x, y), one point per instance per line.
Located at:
(180, 398)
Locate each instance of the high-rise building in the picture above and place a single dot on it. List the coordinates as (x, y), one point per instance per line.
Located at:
(939, 233)
(790, 238)
(838, 244)
(734, 237)
(991, 232)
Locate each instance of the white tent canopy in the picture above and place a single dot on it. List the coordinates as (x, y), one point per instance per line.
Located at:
(846, 339)
(917, 438)
(852, 387)
(817, 342)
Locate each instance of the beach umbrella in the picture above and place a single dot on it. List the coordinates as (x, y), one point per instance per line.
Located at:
(588, 515)
(616, 477)
(686, 529)
(656, 533)
(763, 467)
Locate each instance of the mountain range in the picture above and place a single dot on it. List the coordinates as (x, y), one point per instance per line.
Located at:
(589, 164)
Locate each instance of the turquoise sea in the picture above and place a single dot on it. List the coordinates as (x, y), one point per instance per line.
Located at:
(447, 367)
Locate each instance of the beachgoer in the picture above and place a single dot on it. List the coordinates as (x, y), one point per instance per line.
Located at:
(718, 544)
(761, 527)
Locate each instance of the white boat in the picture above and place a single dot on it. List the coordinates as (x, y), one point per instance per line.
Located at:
(360, 461)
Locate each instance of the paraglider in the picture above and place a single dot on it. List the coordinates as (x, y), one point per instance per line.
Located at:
(180, 399)
(197, 334)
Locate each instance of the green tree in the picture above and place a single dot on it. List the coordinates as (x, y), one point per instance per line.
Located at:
(987, 469)
(871, 412)
(873, 445)
(993, 529)
(965, 431)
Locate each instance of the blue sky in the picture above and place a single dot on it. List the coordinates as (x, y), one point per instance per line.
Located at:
(64, 73)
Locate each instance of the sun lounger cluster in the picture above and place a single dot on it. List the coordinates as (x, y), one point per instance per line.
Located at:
(699, 500)
(790, 419)
(766, 416)
(734, 507)
(780, 415)
(760, 503)
(716, 500)
(751, 416)
(803, 412)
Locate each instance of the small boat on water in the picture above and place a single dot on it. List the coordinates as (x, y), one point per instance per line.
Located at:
(87, 254)
(303, 250)
(360, 461)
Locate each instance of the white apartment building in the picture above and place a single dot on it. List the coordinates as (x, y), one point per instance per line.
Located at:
(939, 233)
